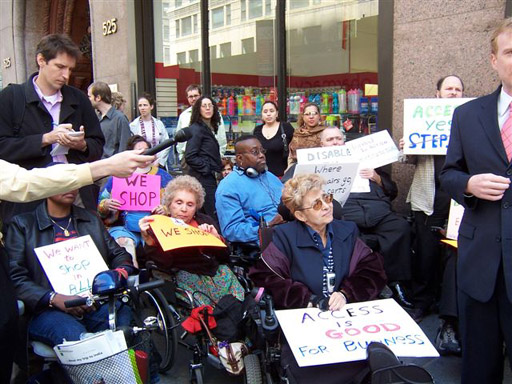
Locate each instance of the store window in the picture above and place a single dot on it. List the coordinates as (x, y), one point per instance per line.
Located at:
(331, 57)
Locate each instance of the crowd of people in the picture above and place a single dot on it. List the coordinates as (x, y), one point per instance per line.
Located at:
(321, 254)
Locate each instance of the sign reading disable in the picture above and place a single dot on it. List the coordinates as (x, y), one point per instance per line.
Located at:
(174, 233)
(328, 337)
(71, 265)
(427, 124)
(139, 192)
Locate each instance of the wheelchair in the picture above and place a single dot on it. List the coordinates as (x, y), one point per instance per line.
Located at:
(152, 319)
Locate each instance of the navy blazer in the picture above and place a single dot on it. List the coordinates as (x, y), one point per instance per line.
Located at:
(485, 233)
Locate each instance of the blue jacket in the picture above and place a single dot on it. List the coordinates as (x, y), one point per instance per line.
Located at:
(242, 200)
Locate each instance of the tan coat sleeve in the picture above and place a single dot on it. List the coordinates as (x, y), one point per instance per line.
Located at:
(20, 185)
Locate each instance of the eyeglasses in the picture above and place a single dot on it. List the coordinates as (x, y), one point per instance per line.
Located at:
(256, 151)
(310, 113)
(317, 204)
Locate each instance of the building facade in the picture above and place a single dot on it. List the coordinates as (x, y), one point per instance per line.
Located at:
(333, 52)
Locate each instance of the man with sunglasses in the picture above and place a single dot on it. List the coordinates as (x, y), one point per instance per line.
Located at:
(248, 194)
(193, 93)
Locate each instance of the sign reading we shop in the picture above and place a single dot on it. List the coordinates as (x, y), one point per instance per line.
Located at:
(71, 265)
(139, 192)
(328, 337)
(174, 233)
(427, 124)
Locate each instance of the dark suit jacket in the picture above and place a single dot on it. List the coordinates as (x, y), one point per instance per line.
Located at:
(25, 148)
(485, 234)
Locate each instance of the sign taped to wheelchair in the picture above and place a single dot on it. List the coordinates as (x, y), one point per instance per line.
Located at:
(318, 338)
(71, 265)
(174, 234)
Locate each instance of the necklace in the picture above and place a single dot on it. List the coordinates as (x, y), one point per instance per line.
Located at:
(66, 232)
(143, 131)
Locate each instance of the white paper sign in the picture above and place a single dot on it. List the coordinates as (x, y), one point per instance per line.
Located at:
(454, 219)
(333, 155)
(427, 124)
(318, 338)
(71, 265)
(338, 177)
(375, 150)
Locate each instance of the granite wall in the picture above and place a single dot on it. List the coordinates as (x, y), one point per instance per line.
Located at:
(432, 39)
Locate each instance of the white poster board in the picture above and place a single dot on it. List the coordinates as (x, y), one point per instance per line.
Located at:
(318, 338)
(375, 150)
(427, 124)
(454, 219)
(334, 155)
(71, 265)
(338, 177)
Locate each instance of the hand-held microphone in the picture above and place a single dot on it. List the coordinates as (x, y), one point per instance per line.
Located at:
(180, 136)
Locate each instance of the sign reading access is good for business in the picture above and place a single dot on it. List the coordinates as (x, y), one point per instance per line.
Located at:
(427, 124)
(318, 338)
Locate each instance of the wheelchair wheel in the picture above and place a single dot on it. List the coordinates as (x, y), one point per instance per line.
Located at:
(252, 370)
(165, 339)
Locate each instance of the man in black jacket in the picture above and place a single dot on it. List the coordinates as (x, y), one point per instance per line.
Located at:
(53, 221)
(45, 113)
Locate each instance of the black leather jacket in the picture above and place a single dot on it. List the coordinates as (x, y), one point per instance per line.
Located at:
(202, 153)
(34, 229)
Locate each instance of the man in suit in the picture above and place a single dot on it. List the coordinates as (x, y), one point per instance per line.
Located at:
(477, 174)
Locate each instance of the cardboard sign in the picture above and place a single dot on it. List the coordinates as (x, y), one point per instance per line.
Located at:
(375, 150)
(318, 338)
(454, 219)
(174, 233)
(427, 124)
(71, 265)
(139, 192)
(338, 177)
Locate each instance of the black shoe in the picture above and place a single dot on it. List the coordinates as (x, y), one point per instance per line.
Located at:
(400, 296)
(417, 314)
(447, 342)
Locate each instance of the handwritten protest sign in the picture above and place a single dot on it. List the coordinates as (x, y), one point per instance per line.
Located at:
(332, 155)
(427, 124)
(174, 233)
(338, 177)
(375, 150)
(71, 265)
(454, 219)
(140, 192)
(318, 338)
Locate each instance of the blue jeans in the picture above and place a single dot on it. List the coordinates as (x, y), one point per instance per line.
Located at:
(52, 326)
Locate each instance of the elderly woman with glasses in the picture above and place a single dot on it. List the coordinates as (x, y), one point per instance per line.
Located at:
(317, 261)
(307, 135)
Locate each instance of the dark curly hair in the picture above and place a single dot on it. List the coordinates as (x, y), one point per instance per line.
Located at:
(196, 113)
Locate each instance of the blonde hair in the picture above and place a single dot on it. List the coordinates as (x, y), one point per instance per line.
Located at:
(296, 188)
(118, 99)
(184, 183)
(504, 25)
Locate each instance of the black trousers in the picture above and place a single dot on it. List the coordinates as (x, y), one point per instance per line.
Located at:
(393, 235)
(483, 329)
(8, 320)
(427, 259)
(448, 300)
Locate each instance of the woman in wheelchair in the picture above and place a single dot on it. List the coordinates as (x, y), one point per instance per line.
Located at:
(196, 273)
(316, 261)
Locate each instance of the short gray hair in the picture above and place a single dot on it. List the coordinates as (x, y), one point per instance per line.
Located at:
(296, 188)
(184, 183)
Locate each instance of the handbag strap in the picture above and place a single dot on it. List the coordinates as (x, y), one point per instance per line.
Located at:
(283, 136)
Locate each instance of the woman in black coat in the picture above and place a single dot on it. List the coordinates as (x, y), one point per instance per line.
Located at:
(202, 154)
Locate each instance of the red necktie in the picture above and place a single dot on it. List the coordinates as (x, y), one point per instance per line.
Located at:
(506, 134)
